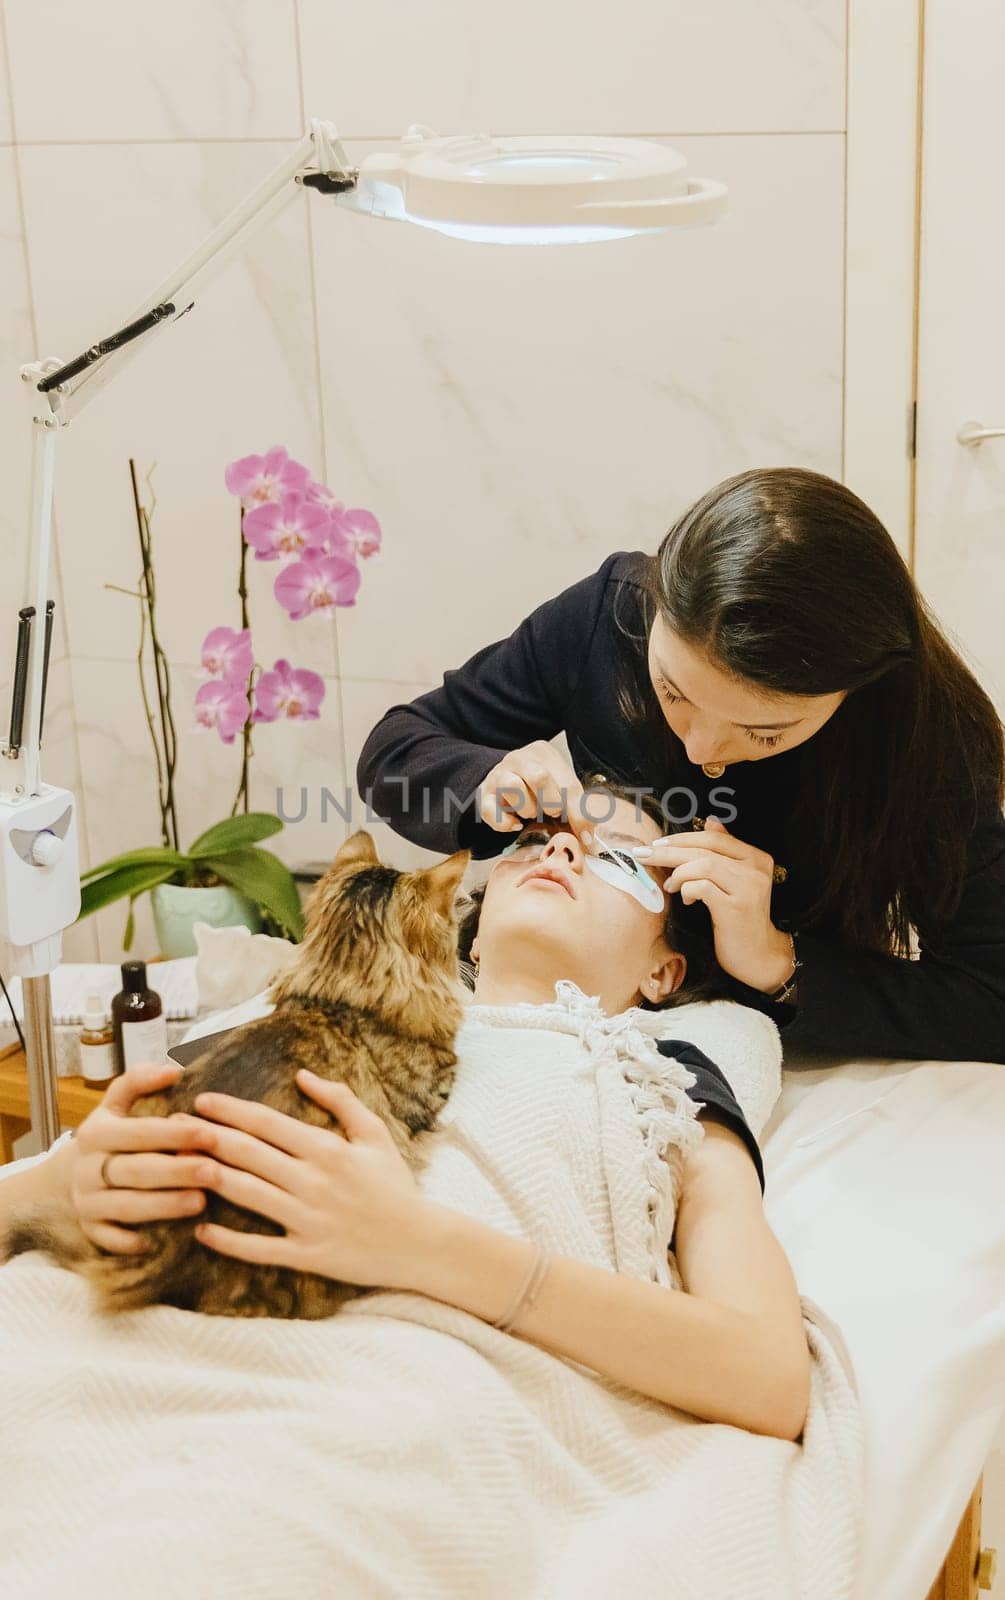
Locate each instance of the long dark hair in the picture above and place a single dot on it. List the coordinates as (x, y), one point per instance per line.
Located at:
(785, 579)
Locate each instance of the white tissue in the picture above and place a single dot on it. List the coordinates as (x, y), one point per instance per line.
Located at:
(233, 964)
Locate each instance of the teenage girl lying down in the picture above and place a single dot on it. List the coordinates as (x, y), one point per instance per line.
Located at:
(569, 1144)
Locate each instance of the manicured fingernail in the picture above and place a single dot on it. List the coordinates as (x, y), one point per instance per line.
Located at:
(305, 1072)
(586, 836)
(642, 852)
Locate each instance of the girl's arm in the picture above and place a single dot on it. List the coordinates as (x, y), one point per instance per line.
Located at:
(157, 1170)
(37, 1181)
(731, 1348)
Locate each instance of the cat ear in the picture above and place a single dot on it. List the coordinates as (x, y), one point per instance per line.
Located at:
(441, 883)
(358, 848)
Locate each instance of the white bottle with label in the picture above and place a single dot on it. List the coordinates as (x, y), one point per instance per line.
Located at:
(138, 1019)
(97, 1046)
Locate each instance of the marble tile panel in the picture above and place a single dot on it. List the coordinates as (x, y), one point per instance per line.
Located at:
(514, 414)
(115, 70)
(234, 377)
(660, 66)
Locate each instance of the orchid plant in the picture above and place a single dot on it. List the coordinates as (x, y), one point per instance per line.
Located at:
(288, 517)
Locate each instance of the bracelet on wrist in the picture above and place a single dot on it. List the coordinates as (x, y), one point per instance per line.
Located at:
(529, 1292)
(785, 990)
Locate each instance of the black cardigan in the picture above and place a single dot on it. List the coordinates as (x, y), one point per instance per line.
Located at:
(560, 671)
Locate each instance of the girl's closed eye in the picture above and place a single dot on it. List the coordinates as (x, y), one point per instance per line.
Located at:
(530, 838)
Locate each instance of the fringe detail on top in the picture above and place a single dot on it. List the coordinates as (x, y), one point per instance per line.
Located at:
(621, 1054)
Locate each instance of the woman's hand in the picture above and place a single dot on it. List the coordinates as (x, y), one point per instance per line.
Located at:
(154, 1164)
(527, 782)
(350, 1205)
(734, 881)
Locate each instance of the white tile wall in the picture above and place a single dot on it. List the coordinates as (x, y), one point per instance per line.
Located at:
(114, 70)
(648, 66)
(6, 129)
(232, 378)
(511, 416)
(364, 702)
(518, 413)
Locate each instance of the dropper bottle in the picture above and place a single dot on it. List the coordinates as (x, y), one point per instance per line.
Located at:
(97, 1046)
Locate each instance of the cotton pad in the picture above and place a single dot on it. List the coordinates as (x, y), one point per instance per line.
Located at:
(641, 888)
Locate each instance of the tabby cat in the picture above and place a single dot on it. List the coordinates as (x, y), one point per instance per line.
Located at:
(374, 999)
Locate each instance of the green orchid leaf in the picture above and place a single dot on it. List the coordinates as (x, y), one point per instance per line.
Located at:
(236, 833)
(131, 881)
(150, 855)
(264, 879)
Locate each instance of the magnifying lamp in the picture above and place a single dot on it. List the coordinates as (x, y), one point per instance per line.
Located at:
(533, 191)
(520, 190)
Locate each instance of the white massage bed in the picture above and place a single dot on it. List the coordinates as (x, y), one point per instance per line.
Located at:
(885, 1182)
(886, 1185)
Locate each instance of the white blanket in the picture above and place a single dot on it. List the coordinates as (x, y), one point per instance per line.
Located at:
(403, 1447)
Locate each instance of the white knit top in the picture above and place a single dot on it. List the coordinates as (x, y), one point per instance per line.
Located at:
(569, 1127)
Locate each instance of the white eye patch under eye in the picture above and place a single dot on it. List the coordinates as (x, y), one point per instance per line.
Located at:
(644, 890)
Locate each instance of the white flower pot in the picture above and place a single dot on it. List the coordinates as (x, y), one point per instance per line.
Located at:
(177, 910)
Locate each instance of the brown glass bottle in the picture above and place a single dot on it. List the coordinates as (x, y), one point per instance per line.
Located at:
(138, 1019)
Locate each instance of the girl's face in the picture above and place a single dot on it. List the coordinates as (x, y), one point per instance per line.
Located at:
(546, 911)
(719, 718)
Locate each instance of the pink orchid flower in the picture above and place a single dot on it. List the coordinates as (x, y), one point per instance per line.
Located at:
(291, 526)
(317, 584)
(339, 541)
(259, 479)
(324, 495)
(288, 692)
(363, 529)
(228, 654)
(223, 706)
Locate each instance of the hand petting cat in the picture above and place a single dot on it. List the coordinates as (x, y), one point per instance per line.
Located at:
(311, 1200)
(350, 1205)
